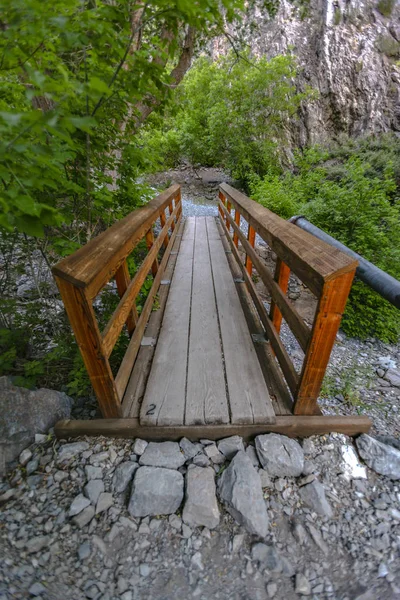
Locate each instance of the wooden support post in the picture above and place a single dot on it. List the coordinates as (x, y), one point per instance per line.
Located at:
(329, 312)
(237, 221)
(150, 242)
(282, 274)
(223, 200)
(83, 321)
(163, 220)
(229, 208)
(122, 280)
(171, 210)
(251, 236)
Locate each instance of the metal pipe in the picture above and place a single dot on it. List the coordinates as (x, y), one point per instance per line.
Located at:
(380, 281)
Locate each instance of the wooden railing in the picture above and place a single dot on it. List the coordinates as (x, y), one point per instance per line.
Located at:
(82, 276)
(326, 271)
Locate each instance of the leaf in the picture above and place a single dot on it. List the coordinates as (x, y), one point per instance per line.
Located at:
(26, 205)
(30, 225)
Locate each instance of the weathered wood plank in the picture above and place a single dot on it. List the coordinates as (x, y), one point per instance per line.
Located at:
(135, 389)
(309, 258)
(292, 317)
(248, 394)
(276, 343)
(164, 399)
(125, 369)
(206, 400)
(282, 274)
(122, 280)
(292, 426)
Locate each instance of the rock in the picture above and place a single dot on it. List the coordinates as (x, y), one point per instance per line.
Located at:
(313, 494)
(37, 543)
(104, 502)
(40, 438)
(393, 377)
(240, 488)
(93, 489)
(155, 491)
(201, 460)
(201, 508)
(237, 542)
(352, 469)
(32, 466)
(189, 449)
(279, 455)
(272, 589)
(302, 585)
(25, 457)
(175, 522)
(78, 505)
(93, 472)
(197, 561)
(230, 446)
(162, 454)
(144, 570)
(214, 454)
(382, 458)
(139, 446)
(25, 413)
(123, 476)
(69, 451)
(252, 454)
(84, 517)
(84, 551)
(265, 479)
(37, 589)
(267, 557)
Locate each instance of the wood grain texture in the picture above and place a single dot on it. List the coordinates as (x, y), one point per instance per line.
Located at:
(248, 394)
(136, 387)
(95, 263)
(285, 363)
(149, 244)
(83, 321)
(125, 369)
(206, 399)
(312, 260)
(251, 238)
(118, 318)
(122, 279)
(164, 399)
(329, 313)
(299, 328)
(286, 425)
(282, 274)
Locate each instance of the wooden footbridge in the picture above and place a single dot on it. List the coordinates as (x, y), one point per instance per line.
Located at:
(209, 362)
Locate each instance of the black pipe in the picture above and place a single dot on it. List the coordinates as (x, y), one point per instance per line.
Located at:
(383, 283)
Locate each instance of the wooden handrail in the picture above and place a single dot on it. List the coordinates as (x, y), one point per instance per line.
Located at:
(326, 271)
(81, 276)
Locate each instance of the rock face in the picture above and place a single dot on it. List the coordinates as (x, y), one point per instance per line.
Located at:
(382, 458)
(347, 50)
(279, 455)
(155, 491)
(25, 413)
(201, 506)
(164, 454)
(240, 488)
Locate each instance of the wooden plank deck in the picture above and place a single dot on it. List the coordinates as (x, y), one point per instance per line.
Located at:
(205, 369)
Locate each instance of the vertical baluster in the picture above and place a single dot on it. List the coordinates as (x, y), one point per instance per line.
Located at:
(237, 221)
(163, 221)
(229, 208)
(122, 280)
(282, 274)
(251, 236)
(223, 200)
(171, 210)
(150, 242)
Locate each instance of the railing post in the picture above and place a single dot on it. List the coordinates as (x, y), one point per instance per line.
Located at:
(329, 312)
(83, 321)
(235, 235)
(228, 208)
(223, 200)
(282, 274)
(171, 210)
(163, 220)
(150, 242)
(251, 236)
(122, 280)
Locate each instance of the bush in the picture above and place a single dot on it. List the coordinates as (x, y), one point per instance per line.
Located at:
(357, 202)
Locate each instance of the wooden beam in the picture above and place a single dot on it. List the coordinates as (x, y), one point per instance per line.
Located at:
(292, 426)
(122, 279)
(282, 274)
(150, 244)
(251, 237)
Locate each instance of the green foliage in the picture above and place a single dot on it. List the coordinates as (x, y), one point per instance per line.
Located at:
(386, 7)
(230, 113)
(351, 191)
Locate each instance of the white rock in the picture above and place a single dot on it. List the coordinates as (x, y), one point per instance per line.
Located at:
(25, 457)
(201, 508)
(139, 446)
(352, 468)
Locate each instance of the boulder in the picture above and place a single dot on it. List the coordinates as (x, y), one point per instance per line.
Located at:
(155, 491)
(25, 413)
(230, 446)
(201, 508)
(279, 455)
(382, 458)
(393, 377)
(123, 476)
(162, 454)
(240, 489)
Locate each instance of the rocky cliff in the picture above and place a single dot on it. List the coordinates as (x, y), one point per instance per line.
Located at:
(347, 50)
